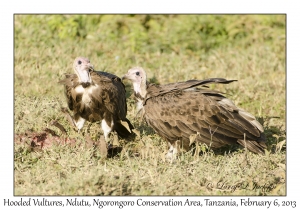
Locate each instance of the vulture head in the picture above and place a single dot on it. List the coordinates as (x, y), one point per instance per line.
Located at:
(82, 67)
(138, 77)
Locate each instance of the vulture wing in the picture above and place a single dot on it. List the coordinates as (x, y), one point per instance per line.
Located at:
(155, 90)
(111, 91)
(70, 82)
(176, 111)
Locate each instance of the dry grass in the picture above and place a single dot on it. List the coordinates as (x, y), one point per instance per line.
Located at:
(42, 59)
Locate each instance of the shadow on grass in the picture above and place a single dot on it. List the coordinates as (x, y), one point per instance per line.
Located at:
(275, 135)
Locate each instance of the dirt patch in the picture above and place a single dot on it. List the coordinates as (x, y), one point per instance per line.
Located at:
(37, 141)
(42, 140)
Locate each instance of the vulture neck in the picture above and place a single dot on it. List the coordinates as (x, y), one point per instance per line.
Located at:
(141, 88)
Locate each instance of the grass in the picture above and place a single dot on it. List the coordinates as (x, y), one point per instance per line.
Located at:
(249, 48)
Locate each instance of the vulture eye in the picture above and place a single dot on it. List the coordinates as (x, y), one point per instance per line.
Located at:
(79, 62)
(137, 73)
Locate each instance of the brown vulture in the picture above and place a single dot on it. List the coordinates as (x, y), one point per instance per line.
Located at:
(180, 110)
(96, 96)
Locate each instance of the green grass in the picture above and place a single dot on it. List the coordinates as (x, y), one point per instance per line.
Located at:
(249, 48)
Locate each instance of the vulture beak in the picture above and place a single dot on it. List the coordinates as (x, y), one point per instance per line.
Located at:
(129, 76)
(125, 77)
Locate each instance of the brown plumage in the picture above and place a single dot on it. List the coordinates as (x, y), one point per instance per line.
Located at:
(97, 96)
(178, 111)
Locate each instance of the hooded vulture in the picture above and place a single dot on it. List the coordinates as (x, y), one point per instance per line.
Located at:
(96, 96)
(178, 111)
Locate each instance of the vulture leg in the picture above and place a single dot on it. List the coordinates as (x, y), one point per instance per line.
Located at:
(172, 152)
(79, 123)
(106, 129)
(75, 123)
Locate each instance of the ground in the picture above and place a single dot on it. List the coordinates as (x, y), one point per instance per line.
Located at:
(54, 160)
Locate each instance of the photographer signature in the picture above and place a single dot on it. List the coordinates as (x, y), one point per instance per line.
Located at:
(239, 186)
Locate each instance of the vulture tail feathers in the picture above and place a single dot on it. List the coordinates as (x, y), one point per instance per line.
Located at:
(254, 146)
(124, 128)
